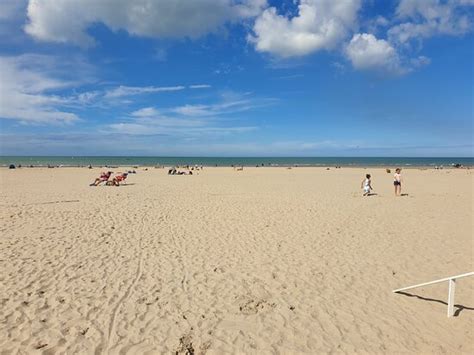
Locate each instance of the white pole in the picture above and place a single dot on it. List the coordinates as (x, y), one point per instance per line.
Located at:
(452, 288)
(434, 282)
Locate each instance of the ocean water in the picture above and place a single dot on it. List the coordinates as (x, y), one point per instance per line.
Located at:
(225, 161)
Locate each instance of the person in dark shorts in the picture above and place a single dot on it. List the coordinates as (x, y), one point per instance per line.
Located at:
(397, 181)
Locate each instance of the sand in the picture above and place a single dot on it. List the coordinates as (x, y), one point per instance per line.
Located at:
(260, 261)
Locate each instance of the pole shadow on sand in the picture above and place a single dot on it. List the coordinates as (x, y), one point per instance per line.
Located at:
(459, 307)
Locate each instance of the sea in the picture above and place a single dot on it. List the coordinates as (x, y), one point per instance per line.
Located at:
(77, 161)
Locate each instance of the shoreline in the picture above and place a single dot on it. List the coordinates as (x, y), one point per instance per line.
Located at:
(285, 162)
(387, 166)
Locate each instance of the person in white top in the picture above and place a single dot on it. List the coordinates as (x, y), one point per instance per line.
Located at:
(366, 185)
(397, 181)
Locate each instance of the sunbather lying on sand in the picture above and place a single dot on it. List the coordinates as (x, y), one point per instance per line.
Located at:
(117, 179)
(104, 177)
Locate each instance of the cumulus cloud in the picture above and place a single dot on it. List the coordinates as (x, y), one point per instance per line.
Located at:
(67, 21)
(416, 20)
(366, 52)
(315, 25)
(427, 18)
(325, 25)
(319, 24)
(27, 90)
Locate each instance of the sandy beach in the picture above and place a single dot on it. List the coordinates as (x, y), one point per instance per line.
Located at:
(259, 261)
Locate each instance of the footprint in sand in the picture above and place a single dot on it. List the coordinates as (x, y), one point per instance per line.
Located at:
(185, 345)
(255, 306)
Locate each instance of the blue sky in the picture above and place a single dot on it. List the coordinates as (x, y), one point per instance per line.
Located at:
(237, 77)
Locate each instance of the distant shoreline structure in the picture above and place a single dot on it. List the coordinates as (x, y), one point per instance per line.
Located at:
(103, 161)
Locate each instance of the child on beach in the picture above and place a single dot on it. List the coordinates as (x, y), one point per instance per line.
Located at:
(366, 185)
(397, 181)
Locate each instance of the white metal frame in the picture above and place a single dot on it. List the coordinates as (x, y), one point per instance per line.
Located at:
(451, 288)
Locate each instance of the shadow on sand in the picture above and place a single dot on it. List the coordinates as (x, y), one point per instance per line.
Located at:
(459, 307)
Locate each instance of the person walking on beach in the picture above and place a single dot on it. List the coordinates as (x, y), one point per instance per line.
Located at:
(366, 185)
(397, 181)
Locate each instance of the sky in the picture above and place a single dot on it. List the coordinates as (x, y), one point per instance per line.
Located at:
(237, 77)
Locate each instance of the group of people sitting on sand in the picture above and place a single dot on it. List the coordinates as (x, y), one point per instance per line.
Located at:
(174, 171)
(184, 170)
(107, 179)
(366, 184)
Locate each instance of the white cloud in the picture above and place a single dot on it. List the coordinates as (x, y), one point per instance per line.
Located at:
(200, 86)
(145, 112)
(381, 21)
(177, 131)
(214, 109)
(427, 18)
(122, 93)
(193, 110)
(420, 61)
(27, 89)
(67, 21)
(375, 25)
(150, 121)
(88, 96)
(366, 52)
(325, 24)
(122, 90)
(320, 24)
(417, 19)
(229, 104)
(32, 90)
(191, 120)
(204, 144)
(41, 89)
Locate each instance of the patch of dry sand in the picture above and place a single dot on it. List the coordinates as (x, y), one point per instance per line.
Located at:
(265, 260)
